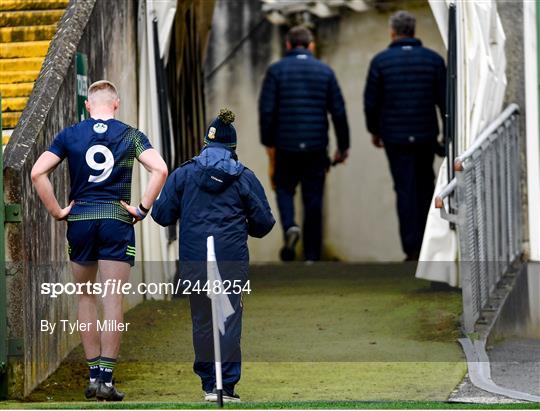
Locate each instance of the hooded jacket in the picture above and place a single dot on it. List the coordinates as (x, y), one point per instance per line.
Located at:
(214, 195)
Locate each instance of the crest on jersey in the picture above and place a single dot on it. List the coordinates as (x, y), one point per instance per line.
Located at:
(100, 128)
(212, 133)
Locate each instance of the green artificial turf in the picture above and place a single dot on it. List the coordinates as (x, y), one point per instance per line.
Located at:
(329, 332)
(399, 405)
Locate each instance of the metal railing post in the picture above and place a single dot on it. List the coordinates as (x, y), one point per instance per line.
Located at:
(466, 218)
(486, 194)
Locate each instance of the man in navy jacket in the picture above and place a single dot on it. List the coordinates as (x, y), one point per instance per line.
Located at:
(405, 85)
(297, 94)
(215, 195)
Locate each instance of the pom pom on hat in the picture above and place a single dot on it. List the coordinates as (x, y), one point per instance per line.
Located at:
(221, 129)
(226, 116)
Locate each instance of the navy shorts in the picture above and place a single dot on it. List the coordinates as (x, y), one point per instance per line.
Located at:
(104, 239)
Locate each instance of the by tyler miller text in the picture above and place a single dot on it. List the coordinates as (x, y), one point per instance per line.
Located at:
(71, 327)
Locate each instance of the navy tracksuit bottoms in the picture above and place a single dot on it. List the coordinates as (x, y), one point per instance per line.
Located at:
(203, 342)
(307, 168)
(411, 166)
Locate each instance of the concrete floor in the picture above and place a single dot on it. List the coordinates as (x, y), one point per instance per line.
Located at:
(514, 350)
(515, 363)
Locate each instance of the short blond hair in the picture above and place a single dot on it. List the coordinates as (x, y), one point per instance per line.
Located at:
(103, 91)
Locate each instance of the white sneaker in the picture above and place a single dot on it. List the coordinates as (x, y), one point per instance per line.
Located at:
(210, 396)
(288, 252)
(230, 398)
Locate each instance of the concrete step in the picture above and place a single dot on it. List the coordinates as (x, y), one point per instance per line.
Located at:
(16, 90)
(27, 33)
(11, 77)
(13, 5)
(9, 120)
(29, 17)
(22, 64)
(12, 104)
(24, 49)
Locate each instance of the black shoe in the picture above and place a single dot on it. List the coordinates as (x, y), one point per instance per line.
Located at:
(108, 393)
(90, 391)
(288, 252)
(412, 257)
(438, 286)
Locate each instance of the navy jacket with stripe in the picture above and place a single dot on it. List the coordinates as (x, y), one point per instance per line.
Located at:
(297, 94)
(405, 84)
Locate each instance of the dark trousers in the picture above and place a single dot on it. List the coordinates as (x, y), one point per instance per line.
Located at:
(411, 166)
(308, 169)
(203, 342)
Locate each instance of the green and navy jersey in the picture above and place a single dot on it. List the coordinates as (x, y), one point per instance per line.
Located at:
(100, 156)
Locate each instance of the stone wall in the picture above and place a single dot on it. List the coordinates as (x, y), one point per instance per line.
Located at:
(36, 248)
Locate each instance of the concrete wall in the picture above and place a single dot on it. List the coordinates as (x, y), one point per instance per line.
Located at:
(511, 14)
(519, 314)
(36, 248)
(512, 18)
(361, 222)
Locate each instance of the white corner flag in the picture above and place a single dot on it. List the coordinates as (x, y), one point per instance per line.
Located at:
(221, 310)
(219, 299)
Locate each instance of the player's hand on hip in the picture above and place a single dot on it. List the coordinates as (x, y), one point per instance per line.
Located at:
(63, 213)
(135, 212)
(377, 141)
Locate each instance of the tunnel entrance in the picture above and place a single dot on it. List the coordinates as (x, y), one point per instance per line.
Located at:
(360, 222)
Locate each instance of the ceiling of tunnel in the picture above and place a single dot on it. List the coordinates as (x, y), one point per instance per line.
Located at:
(281, 11)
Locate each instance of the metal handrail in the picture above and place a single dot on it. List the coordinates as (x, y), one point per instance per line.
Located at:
(445, 192)
(449, 188)
(484, 205)
(484, 135)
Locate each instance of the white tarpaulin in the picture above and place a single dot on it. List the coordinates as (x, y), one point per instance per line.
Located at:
(156, 250)
(481, 84)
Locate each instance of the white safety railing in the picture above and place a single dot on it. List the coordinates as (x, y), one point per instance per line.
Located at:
(483, 201)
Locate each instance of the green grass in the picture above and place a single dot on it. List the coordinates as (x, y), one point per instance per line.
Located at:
(376, 405)
(323, 333)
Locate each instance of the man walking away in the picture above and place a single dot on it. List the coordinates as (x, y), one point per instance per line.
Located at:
(215, 195)
(100, 153)
(297, 94)
(405, 85)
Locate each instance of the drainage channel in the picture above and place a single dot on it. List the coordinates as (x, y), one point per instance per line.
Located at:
(504, 359)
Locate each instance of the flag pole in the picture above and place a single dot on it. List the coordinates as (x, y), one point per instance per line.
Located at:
(217, 356)
(215, 326)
